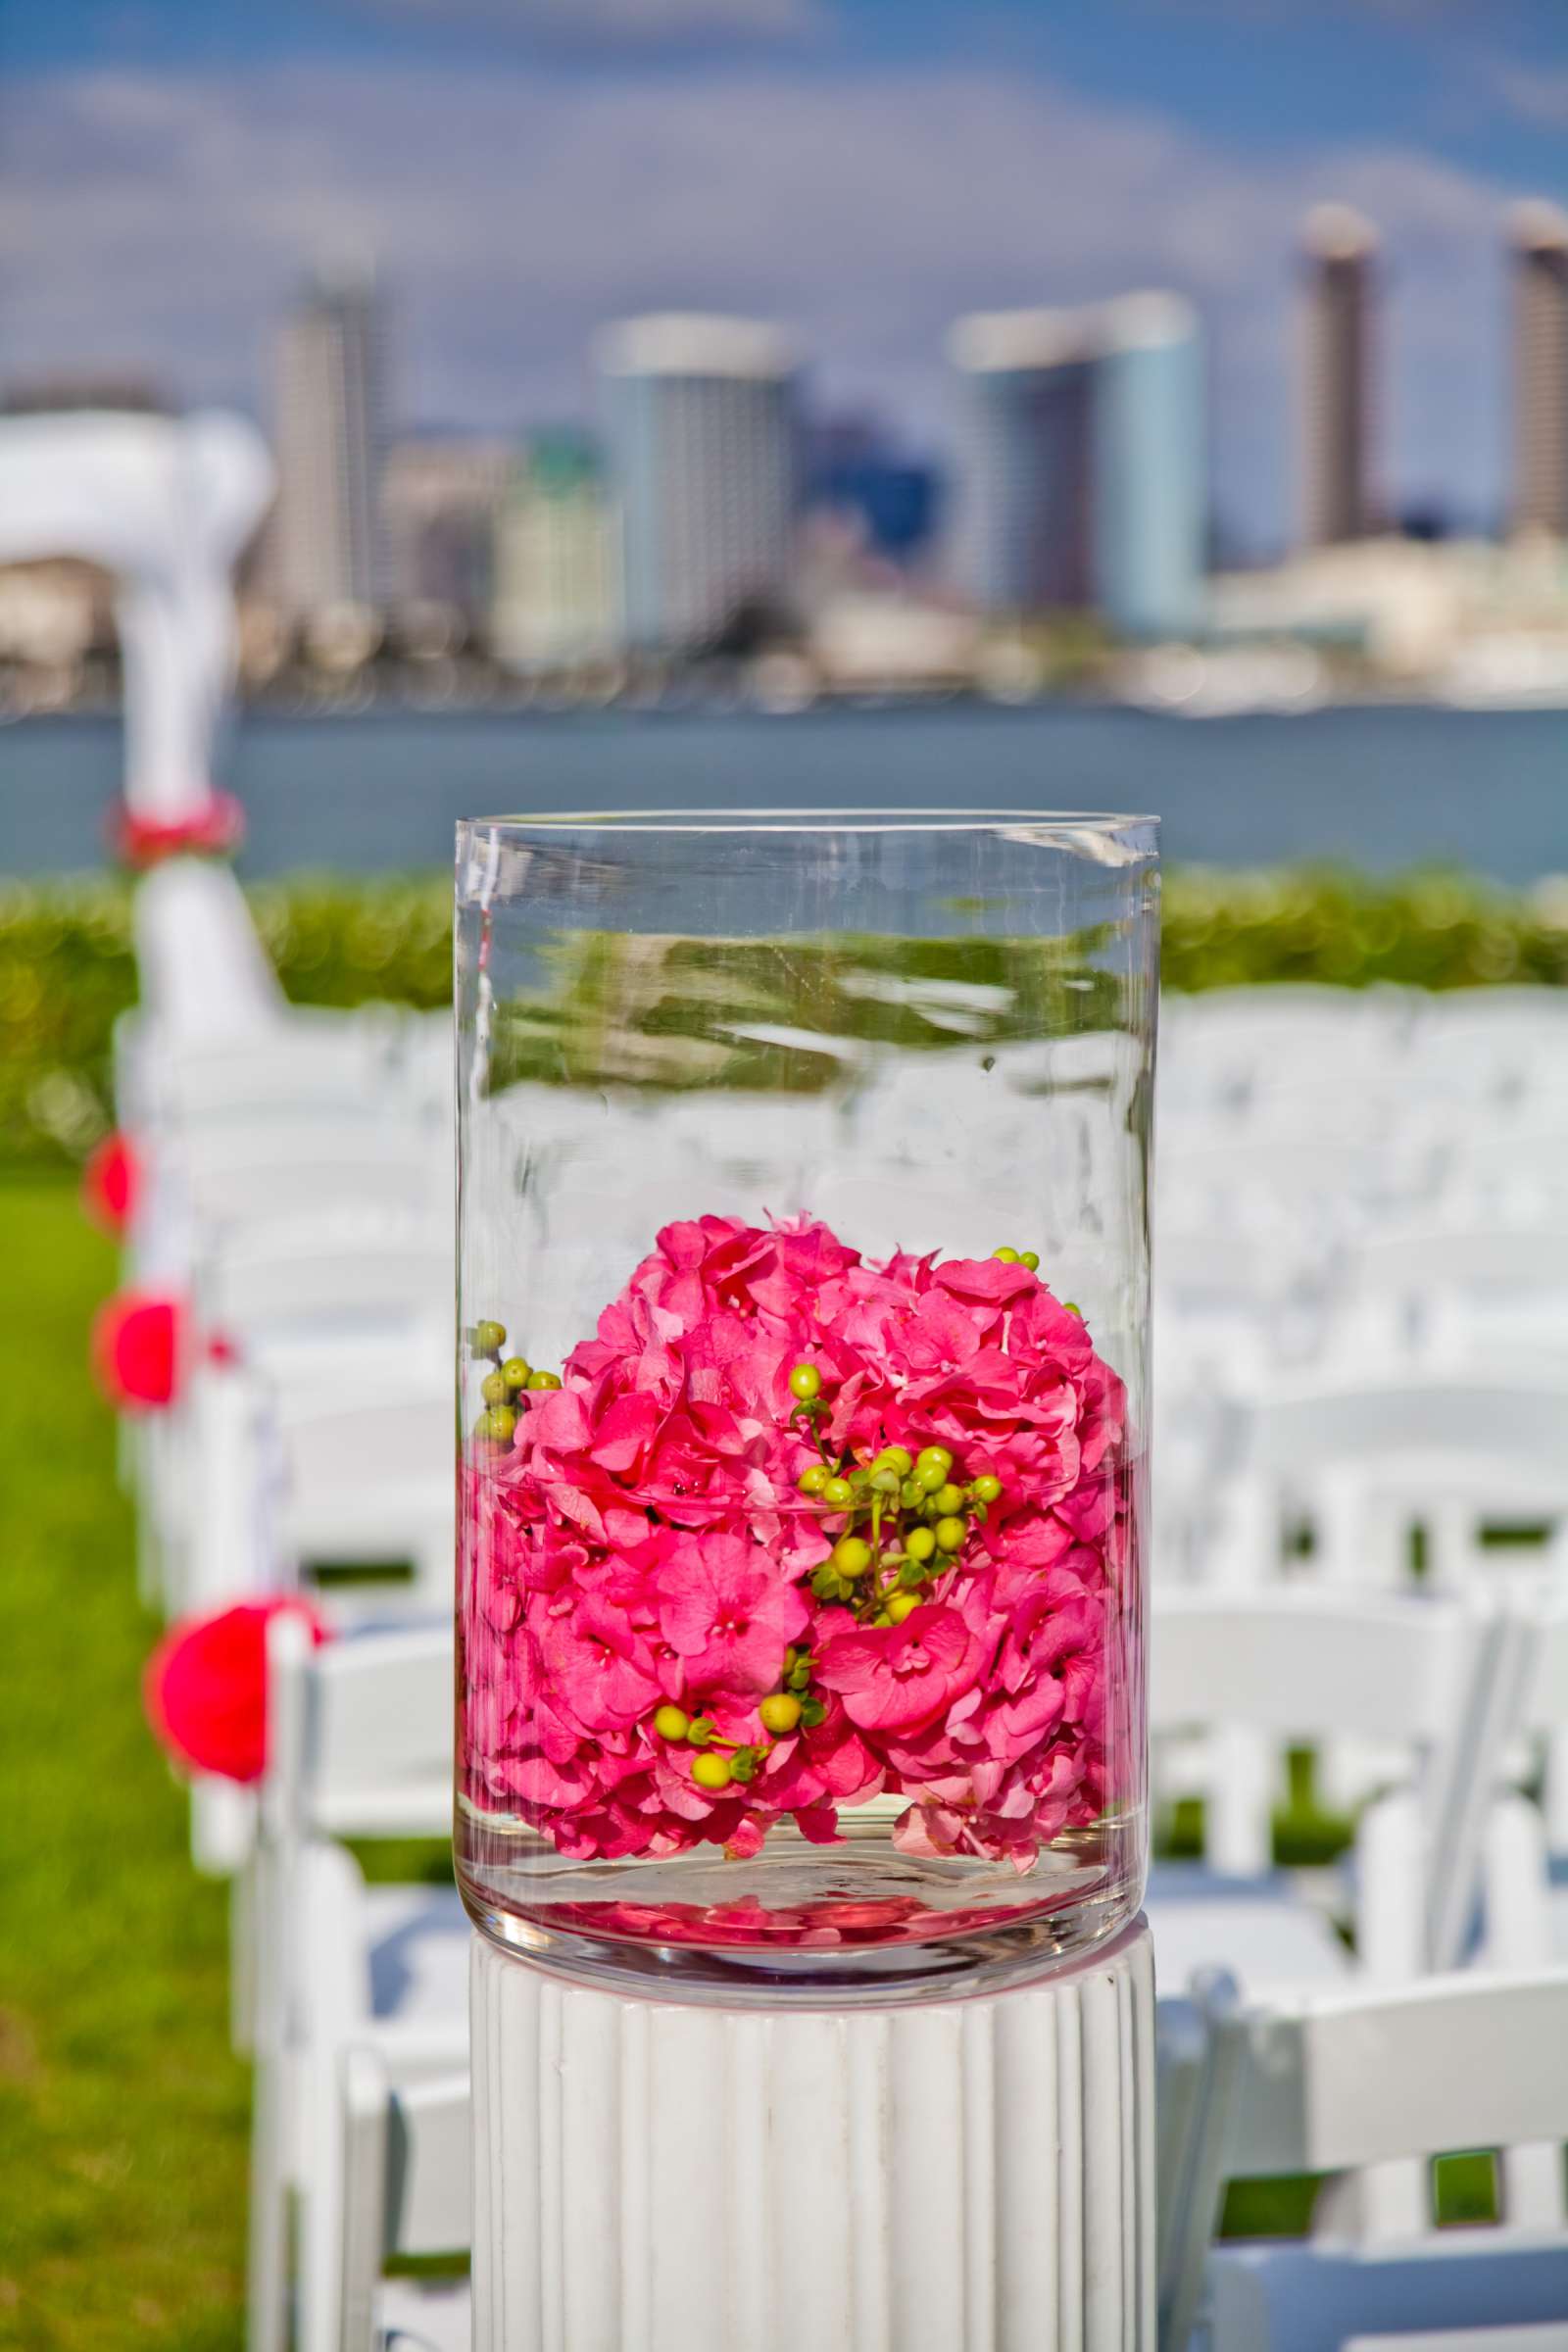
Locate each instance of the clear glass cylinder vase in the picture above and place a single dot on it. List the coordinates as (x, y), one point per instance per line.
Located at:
(804, 1270)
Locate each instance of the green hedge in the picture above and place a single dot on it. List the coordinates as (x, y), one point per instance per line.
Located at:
(67, 967)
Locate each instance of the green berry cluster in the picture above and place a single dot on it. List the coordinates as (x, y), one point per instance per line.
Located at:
(908, 1516)
(720, 1762)
(1018, 1257)
(502, 1387)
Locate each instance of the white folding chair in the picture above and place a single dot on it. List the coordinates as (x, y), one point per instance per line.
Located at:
(1367, 1456)
(280, 1498)
(359, 1745)
(406, 2192)
(291, 1485)
(1257, 1670)
(1336, 2082)
(284, 1498)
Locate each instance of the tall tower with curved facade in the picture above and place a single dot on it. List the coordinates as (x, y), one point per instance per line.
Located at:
(1086, 465)
(700, 415)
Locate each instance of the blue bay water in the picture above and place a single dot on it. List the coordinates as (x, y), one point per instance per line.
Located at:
(1377, 787)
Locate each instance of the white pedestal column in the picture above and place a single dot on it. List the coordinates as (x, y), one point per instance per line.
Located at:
(958, 2175)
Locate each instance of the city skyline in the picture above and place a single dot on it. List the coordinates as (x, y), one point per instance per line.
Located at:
(524, 170)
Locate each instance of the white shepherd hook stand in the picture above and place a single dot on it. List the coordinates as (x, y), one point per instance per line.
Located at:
(949, 2176)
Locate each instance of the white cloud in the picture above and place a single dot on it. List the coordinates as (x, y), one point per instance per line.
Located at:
(166, 220)
(621, 23)
(1537, 94)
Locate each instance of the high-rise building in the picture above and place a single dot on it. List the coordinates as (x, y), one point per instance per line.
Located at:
(1150, 466)
(1085, 482)
(440, 499)
(327, 544)
(702, 427)
(1338, 250)
(1539, 237)
(555, 602)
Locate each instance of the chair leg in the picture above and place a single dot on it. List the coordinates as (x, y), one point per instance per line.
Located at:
(1195, 2174)
(1556, 1803)
(320, 2220)
(267, 2282)
(244, 1929)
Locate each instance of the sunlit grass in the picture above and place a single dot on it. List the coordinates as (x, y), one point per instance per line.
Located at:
(122, 2114)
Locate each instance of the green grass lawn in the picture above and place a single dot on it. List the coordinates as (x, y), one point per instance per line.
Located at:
(123, 2113)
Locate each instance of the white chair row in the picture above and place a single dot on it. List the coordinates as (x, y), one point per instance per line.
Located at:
(1227, 1049)
(365, 1986)
(360, 1748)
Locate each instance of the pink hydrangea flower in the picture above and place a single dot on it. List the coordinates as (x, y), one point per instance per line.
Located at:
(724, 1610)
(645, 1543)
(898, 1676)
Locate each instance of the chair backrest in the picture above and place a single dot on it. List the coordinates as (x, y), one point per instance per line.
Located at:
(1341, 2081)
(363, 1472)
(328, 1066)
(1312, 1663)
(360, 1731)
(252, 1171)
(337, 1274)
(406, 2178)
(288, 1479)
(1350, 2079)
(1447, 1420)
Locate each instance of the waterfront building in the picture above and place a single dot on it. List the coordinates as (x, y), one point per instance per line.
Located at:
(1339, 261)
(440, 499)
(1085, 476)
(327, 547)
(555, 602)
(1431, 613)
(1538, 234)
(701, 436)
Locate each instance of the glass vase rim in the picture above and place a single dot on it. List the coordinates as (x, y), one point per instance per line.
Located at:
(855, 818)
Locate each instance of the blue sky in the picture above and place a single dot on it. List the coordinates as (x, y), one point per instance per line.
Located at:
(860, 169)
